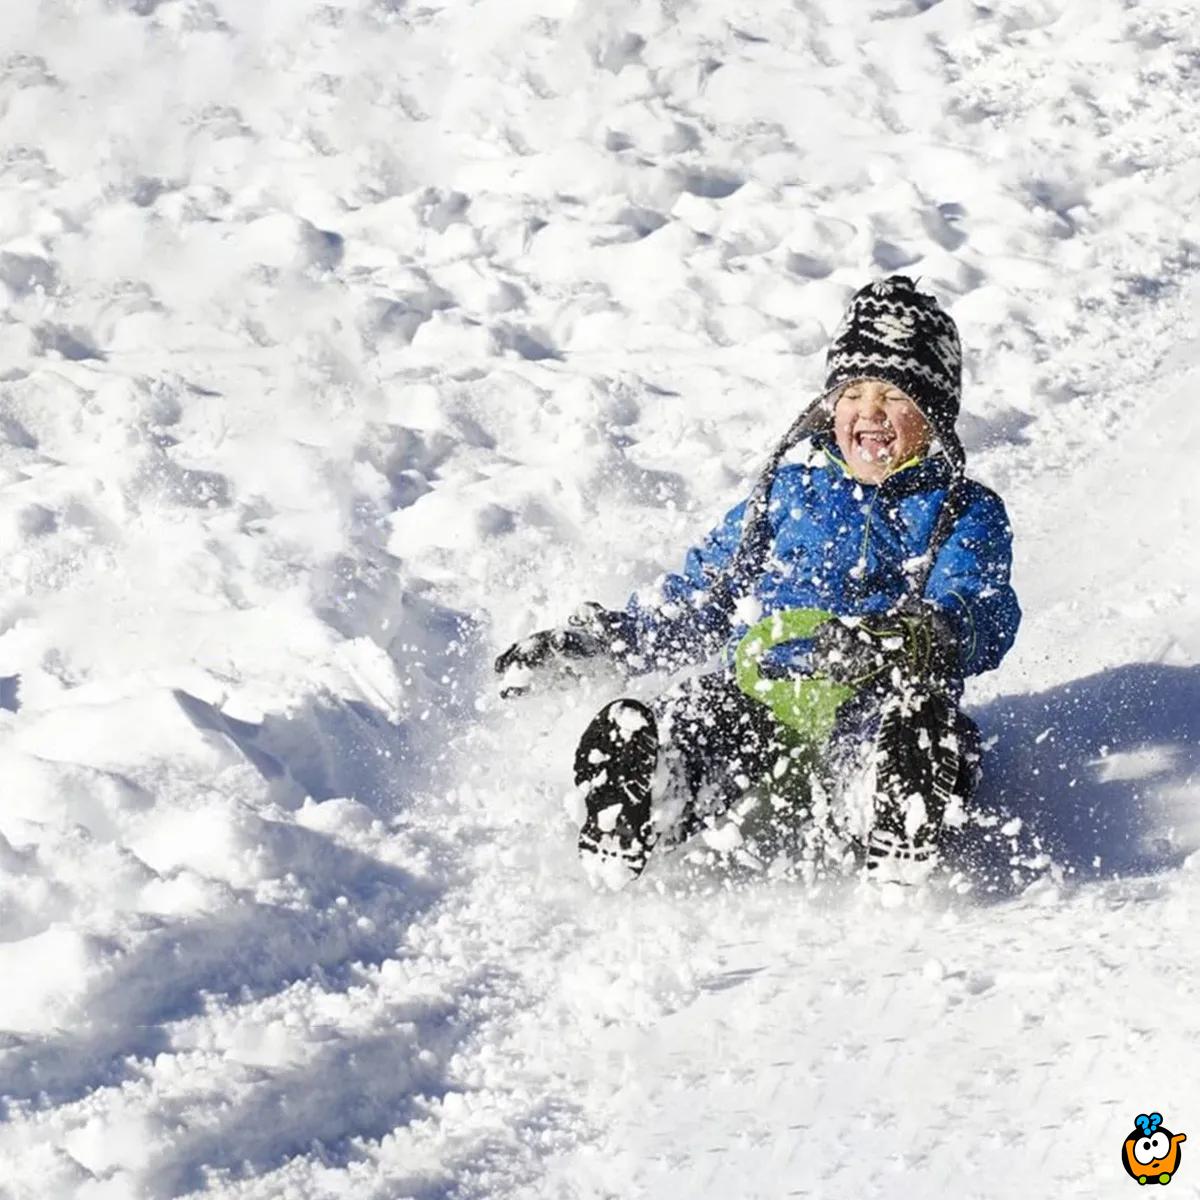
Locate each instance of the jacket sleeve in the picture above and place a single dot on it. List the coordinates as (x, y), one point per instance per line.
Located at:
(969, 583)
(679, 622)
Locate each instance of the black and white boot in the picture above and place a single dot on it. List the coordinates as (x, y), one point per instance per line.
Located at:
(925, 765)
(615, 766)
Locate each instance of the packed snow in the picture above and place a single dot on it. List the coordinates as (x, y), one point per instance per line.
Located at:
(344, 343)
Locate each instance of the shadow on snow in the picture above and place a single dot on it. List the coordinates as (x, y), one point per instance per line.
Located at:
(1103, 773)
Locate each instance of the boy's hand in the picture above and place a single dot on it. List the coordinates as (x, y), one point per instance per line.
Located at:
(592, 631)
(848, 650)
(856, 650)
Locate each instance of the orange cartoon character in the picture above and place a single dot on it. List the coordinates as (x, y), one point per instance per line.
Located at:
(1151, 1153)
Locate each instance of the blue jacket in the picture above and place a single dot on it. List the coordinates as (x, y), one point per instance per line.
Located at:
(844, 546)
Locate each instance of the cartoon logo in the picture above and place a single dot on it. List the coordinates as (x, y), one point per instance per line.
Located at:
(1151, 1153)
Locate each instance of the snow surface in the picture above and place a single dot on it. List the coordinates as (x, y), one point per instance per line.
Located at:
(344, 343)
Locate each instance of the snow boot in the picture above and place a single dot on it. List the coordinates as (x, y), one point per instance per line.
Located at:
(926, 759)
(615, 765)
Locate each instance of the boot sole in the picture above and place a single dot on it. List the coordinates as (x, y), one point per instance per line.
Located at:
(615, 763)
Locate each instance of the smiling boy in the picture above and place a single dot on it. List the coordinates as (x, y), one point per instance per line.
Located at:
(878, 427)
(875, 525)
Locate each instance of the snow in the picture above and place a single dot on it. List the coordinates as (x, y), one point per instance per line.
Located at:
(344, 343)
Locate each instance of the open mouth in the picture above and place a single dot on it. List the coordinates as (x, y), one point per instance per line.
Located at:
(874, 442)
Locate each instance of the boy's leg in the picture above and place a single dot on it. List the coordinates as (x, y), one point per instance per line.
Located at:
(903, 764)
(662, 771)
(718, 744)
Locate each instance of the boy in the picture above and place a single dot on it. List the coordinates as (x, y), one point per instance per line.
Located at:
(908, 561)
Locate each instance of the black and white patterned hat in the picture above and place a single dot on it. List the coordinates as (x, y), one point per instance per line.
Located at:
(895, 333)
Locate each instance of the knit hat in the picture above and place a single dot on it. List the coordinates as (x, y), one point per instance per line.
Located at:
(895, 333)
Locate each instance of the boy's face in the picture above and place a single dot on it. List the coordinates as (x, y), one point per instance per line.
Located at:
(878, 428)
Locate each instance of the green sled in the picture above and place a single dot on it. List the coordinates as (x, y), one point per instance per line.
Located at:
(807, 705)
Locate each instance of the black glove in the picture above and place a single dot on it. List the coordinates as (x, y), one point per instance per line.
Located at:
(916, 640)
(592, 632)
